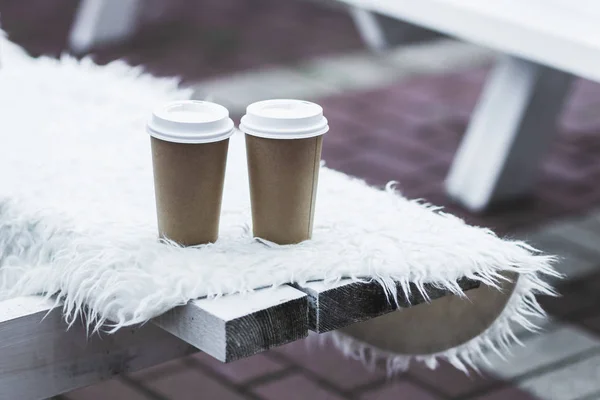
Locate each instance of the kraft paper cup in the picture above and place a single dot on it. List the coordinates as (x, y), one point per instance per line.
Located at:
(189, 141)
(283, 144)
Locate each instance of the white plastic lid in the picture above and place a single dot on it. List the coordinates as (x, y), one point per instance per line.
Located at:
(284, 119)
(190, 121)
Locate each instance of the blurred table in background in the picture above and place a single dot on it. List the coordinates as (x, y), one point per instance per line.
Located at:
(544, 43)
(515, 120)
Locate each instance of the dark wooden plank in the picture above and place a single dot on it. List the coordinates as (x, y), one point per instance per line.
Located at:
(237, 326)
(336, 306)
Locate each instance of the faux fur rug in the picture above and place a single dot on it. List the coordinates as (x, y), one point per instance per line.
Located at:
(77, 213)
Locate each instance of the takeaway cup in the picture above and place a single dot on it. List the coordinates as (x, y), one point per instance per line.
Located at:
(189, 141)
(283, 145)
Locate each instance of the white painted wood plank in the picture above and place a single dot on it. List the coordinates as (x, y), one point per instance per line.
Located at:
(40, 358)
(549, 33)
(237, 326)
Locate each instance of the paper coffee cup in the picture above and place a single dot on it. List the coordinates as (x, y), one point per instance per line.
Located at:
(189, 141)
(283, 144)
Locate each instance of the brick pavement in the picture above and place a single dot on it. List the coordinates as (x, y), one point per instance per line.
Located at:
(195, 39)
(406, 131)
(292, 372)
(409, 132)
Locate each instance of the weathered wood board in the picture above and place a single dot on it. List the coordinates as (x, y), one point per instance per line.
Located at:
(240, 325)
(344, 303)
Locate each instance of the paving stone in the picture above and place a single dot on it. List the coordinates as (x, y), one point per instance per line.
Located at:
(441, 56)
(592, 323)
(450, 381)
(377, 169)
(329, 364)
(233, 92)
(149, 374)
(511, 393)
(590, 223)
(575, 260)
(398, 145)
(572, 381)
(357, 71)
(579, 299)
(242, 371)
(350, 72)
(237, 91)
(592, 283)
(563, 170)
(190, 383)
(593, 396)
(347, 133)
(569, 304)
(542, 350)
(382, 108)
(295, 387)
(545, 325)
(398, 390)
(594, 214)
(576, 231)
(113, 389)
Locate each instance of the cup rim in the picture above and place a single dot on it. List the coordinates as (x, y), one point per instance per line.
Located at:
(211, 124)
(284, 119)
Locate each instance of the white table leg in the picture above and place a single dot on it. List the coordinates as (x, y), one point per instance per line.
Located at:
(509, 132)
(102, 21)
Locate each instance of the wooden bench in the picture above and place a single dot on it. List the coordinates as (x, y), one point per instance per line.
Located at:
(40, 357)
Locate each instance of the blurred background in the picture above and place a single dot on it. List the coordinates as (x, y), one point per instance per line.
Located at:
(403, 105)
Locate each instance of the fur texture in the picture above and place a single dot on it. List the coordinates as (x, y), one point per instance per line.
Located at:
(522, 309)
(77, 215)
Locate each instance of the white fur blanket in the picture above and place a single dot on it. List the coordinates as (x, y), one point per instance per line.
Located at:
(77, 213)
